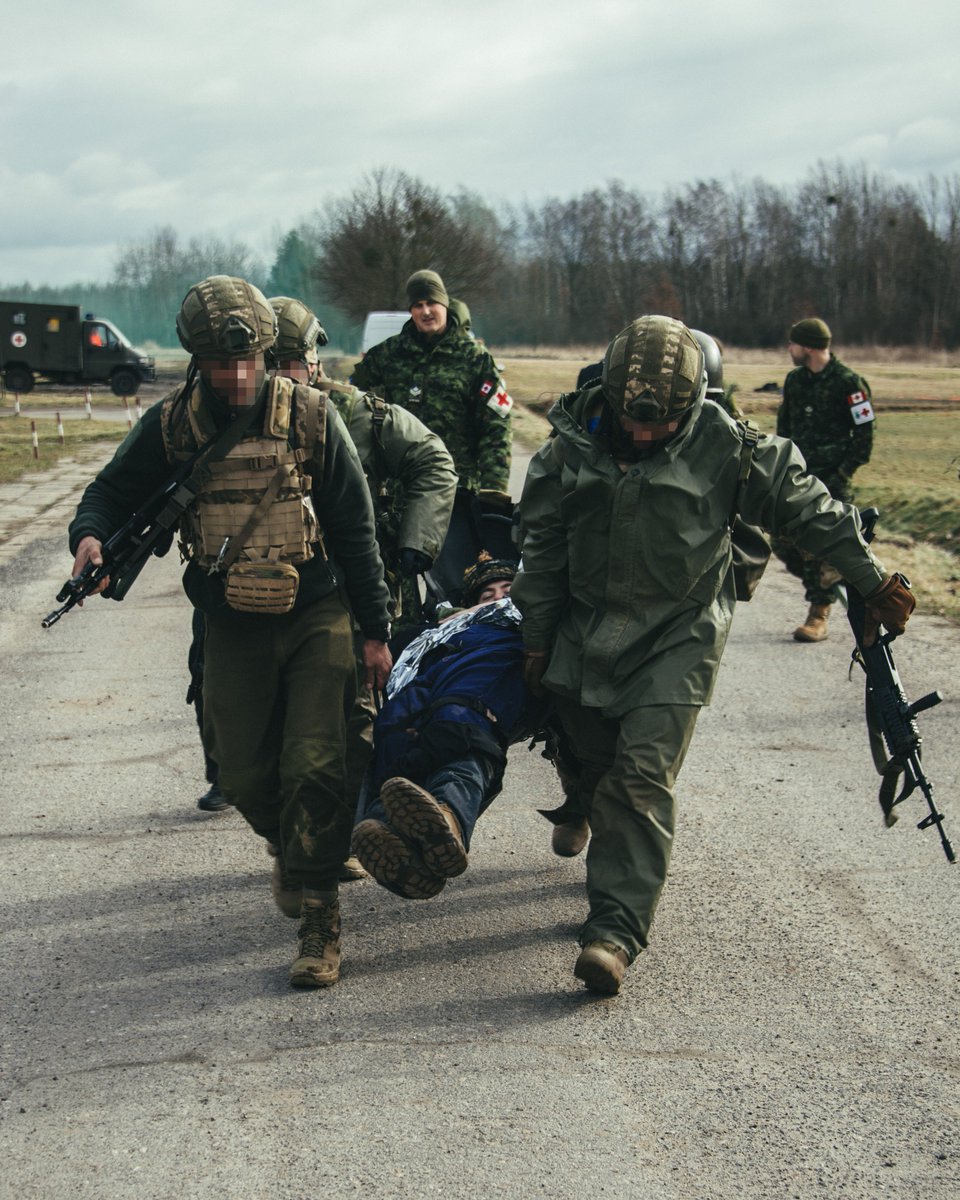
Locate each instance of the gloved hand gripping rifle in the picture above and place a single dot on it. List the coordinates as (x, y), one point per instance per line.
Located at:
(147, 531)
(890, 716)
(150, 529)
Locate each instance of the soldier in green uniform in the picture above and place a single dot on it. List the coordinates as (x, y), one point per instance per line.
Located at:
(412, 483)
(282, 514)
(433, 369)
(826, 411)
(627, 594)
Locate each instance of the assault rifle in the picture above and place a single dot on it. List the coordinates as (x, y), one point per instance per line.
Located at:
(890, 716)
(148, 531)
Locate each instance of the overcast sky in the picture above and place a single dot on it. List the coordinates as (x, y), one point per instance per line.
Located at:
(239, 118)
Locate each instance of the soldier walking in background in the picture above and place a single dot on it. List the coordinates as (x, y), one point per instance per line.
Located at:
(439, 373)
(627, 592)
(280, 489)
(826, 411)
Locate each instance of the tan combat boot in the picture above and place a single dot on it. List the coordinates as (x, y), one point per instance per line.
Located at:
(318, 950)
(432, 827)
(602, 966)
(814, 628)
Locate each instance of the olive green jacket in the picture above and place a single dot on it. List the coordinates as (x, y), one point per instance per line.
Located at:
(626, 572)
(409, 472)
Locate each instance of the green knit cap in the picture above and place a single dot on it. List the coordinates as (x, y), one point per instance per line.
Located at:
(812, 333)
(426, 285)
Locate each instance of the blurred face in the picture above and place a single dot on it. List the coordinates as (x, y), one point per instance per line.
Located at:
(648, 433)
(236, 380)
(494, 591)
(799, 354)
(297, 370)
(428, 317)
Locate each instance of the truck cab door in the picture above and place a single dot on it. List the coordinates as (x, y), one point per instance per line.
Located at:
(102, 350)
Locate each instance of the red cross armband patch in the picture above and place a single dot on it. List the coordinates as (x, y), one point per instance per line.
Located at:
(860, 408)
(497, 396)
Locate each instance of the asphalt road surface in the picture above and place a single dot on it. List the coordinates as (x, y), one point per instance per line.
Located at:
(791, 1032)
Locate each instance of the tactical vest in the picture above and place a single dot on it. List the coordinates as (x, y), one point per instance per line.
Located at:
(255, 507)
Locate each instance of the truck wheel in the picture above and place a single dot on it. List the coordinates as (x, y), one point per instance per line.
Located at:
(18, 379)
(124, 382)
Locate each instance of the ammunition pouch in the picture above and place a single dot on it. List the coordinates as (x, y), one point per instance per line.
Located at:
(261, 587)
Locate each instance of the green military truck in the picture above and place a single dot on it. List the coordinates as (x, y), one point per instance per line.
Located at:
(53, 341)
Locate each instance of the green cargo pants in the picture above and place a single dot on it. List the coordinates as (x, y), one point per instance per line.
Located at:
(632, 762)
(276, 694)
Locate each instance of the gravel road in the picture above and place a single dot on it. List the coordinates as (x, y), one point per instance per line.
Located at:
(791, 1032)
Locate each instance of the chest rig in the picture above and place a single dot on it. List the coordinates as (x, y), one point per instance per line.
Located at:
(253, 519)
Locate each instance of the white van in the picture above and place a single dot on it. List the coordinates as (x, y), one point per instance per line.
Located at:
(379, 326)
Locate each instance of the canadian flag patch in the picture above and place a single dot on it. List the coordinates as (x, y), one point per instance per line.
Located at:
(501, 401)
(860, 408)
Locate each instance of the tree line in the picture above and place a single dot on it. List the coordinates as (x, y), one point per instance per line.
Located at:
(879, 260)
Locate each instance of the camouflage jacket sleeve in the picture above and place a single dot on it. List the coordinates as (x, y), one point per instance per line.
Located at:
(541, 587)
(495, 439)
(345, 511)
(418, 460)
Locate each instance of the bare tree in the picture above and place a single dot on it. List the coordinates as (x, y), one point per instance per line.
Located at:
(392, 225)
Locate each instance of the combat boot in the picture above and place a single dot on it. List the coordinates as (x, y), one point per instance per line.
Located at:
(287, 895)
(431, 826)
(318, 950)
(351, 869)
(213, 800)
(394, 863)
(602, 966)
(570, 838)
(814, 628)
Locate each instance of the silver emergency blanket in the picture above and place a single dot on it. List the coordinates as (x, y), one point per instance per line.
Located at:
(502, 613)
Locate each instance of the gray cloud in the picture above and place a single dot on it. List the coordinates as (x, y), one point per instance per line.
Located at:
(131, 116)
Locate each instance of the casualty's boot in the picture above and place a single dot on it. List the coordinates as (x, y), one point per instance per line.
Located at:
(286, 894)
(431, 826)
(602, 966)
(318, 950)
(814, 628)
(394, 863)
(570, 838)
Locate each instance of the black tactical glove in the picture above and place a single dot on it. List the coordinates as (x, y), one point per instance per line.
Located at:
(414, 562)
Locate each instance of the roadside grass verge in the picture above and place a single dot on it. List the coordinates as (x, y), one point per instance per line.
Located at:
(16, 443)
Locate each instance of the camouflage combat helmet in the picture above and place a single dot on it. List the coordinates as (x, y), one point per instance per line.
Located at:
(225, 317)
(486, 569)
(653, 370)
(299, 333)
(712, 363)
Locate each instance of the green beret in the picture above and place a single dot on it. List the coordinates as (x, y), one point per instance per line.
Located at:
(811, 332)
(426, 285)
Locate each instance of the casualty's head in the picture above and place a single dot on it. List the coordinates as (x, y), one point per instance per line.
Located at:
(227, 325)
(428, 302)
(653, 375)
(299, 336)
(487, 579)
